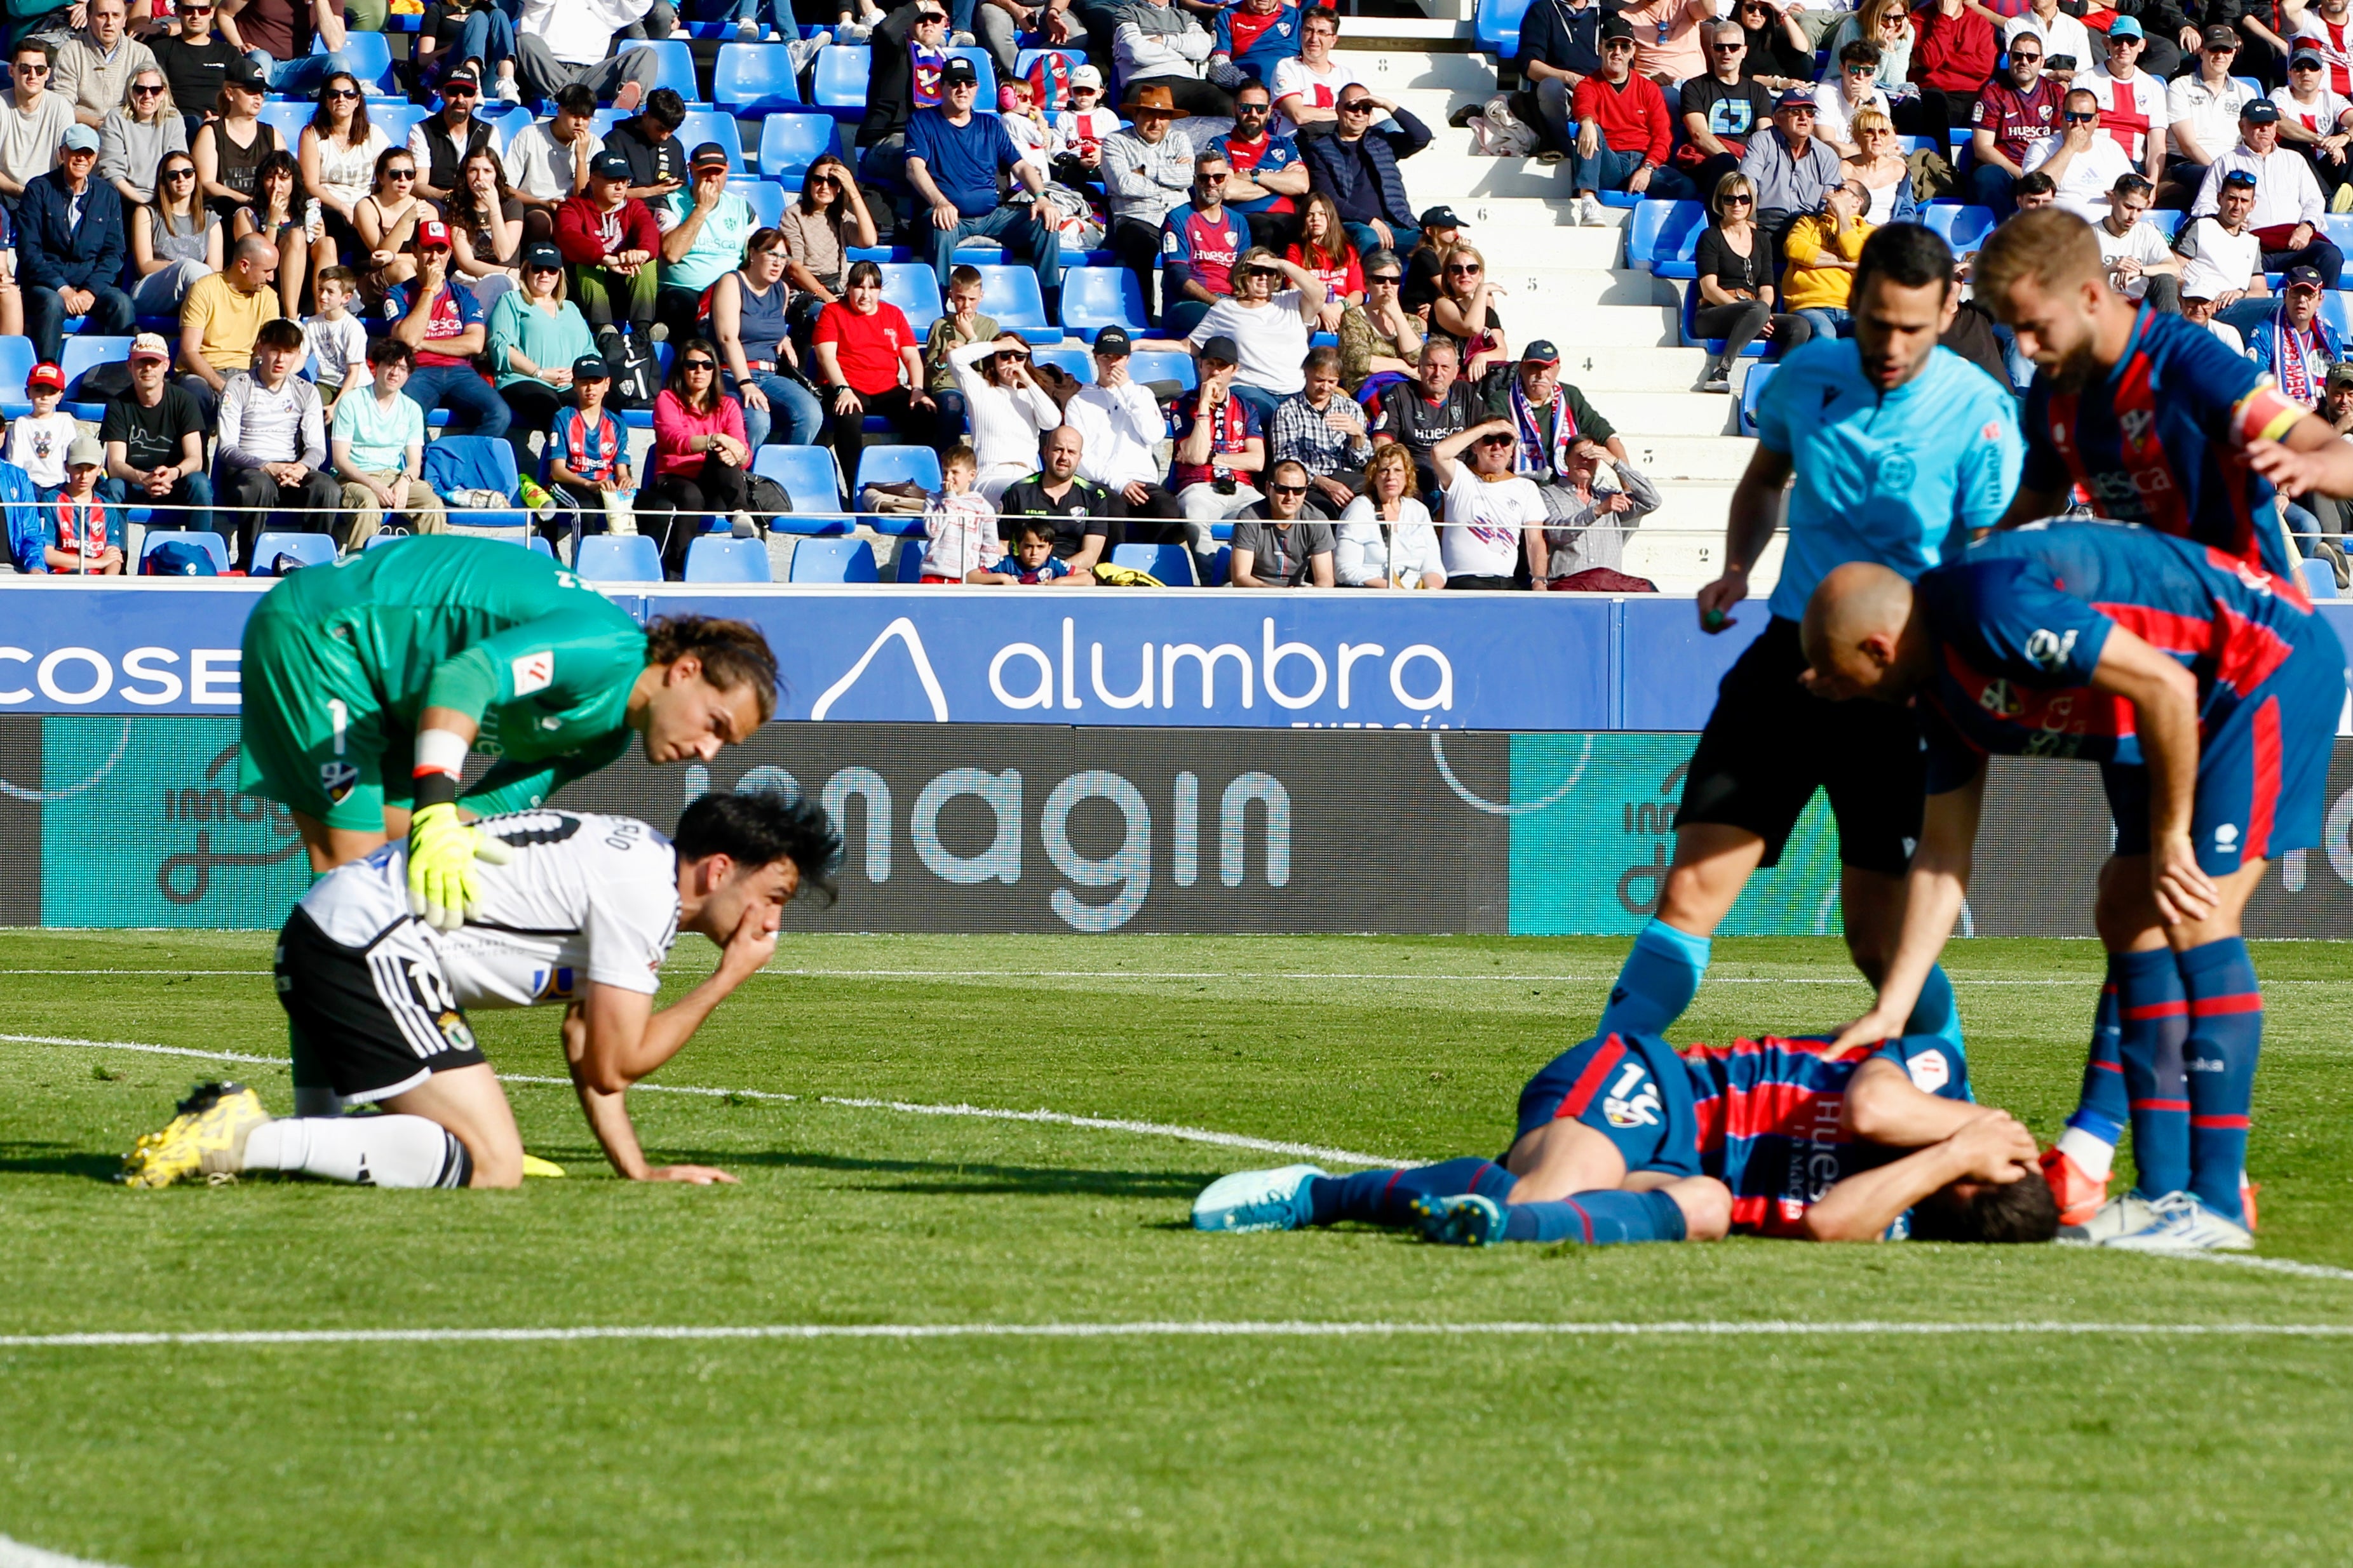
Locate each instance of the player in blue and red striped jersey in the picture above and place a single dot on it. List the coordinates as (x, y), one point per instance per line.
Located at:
(2207, 692)
(2162, 427)
(1625, 1139)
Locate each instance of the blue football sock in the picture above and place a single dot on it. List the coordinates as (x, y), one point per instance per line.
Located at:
(1660, 977)
(2152, 1020)
(2226, 1036)
(1386, 1197)
(1936, 1013)
(2100, 1110)
(1603, 1219)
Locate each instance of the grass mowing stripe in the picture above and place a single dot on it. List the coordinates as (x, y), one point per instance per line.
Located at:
(906, 1107)
(1273, 1329)
(16, 1555)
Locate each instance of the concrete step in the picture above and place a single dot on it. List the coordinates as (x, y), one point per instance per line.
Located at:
(1720, 458)
(1602, 375)
(1509, 240)
(1603, 326)
(1664, 415)
(1448, 167)
(1692, 504)
(1394, 71)
(1682, 562)
(1562, 287)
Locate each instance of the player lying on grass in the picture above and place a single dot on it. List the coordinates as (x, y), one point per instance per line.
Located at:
(581, 912)
(2208, 690)
(1625, 1139)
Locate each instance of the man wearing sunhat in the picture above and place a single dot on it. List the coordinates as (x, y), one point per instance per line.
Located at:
(1147, 170)
(705, 228)
(954, 159)
(71, 241)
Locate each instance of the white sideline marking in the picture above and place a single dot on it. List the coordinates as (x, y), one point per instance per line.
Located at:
(16, 1555)
(911, 1107)
(1278, 1329)
(1212, 975)
(1056, 1118)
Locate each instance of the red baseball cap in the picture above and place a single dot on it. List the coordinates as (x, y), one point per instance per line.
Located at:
(46, 375)
(432, 235)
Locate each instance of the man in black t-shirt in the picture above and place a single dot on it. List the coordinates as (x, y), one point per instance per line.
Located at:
(649, 142)
(1426, 411)
(155, 440)
(1721, 110)
(194, 62)
(1084, 514)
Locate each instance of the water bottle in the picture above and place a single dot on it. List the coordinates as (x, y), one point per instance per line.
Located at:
(311, 227)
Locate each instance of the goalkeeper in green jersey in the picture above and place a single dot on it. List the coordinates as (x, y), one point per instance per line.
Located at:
(366, 683)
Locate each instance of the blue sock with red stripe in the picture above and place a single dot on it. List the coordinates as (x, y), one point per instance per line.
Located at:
(2101, 1111)
(1386, 1197)
(1597, 1219)
(1935, 1013)
(1657, 982)
(2152, 1020)
(2226, 1036)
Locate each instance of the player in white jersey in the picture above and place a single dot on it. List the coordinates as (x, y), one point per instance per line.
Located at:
(581, 914)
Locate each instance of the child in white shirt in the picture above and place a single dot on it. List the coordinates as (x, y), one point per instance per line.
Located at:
(960, 527)
(336, 339)
(1025, 122)
(1083, 127)
(39, 442)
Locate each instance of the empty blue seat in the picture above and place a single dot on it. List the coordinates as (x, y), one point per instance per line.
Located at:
(397, 119)
(914, 288)
(1094, 298)
(833, 560)
(1172, 564)
(1148, 365)
(15, 364)
(538, 546)
(82, 355)
(789, 143)
(1963, 228)
(367, 56)
(2320, 579)
(1221, 566)
(1495, 25)
(619, 557)
(1757, 376)
(1011, 296)
(676, 71)
(1077, 362)
(1659, 234)
(719, 557)
(839, 84)
(307, 549)
(703, 125)
(2334, 310)
(289, 118)
(755, 78)
(813, 485)
(893, 465)
(984, 67)
(204, 539)
(767, 199)
(910, 566)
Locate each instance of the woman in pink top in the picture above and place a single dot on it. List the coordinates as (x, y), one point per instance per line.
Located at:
(701, 457)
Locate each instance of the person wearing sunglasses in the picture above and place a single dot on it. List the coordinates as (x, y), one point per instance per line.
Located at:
(176, 241)
(1721, 110)
(1780, 52)
(1357, 163)
(1492, 511)
(1790, 169)
(701, 458)
(2313, 118)
(2201, 110)
(1851, 87)
(821, 226)
(196, 61)
(1735, 269)
(436, 315)
(35, 122)
(2017, 113)
(1823, 253)
(137, 136)
(1276, 545)
(71, 241)
(536, 335)
(338, 150)
(1624, 134)
(2287, 211)
(2083, 160)
(1009, 410)
(94, 67)
(1380, 337)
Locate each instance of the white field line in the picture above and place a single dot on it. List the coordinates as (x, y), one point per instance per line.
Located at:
(1148, 1329)
(16, 1555)
(1054, 1118)
(1104, 974)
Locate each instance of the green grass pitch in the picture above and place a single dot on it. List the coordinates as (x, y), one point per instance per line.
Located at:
(1972, 1448)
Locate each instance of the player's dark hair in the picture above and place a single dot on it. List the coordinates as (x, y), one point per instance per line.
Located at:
(2022, 1211)
(762, 828)
(1909, 255)
(733, 653)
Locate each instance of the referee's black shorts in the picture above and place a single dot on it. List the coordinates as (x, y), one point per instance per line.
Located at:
(1770, 744)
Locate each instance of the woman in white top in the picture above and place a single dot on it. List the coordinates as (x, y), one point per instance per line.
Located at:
(1489, 510)
(2312, 118)
(1881, 168)
(1270, 327)
(139, 135)
(1384, 537)
(1009, 409)
(339, 150)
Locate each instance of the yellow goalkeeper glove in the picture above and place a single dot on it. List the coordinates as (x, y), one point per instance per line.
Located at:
(442, 855)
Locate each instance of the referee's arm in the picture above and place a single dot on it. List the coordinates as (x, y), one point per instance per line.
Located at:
(1756, 503)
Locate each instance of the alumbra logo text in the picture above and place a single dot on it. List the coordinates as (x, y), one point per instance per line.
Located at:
(1127, 868)
(1292, 675)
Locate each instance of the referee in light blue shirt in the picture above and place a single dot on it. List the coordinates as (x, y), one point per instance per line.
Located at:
(1899, 449)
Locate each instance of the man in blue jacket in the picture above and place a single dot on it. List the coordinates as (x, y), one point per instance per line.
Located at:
(71, 241)
(1357, 164)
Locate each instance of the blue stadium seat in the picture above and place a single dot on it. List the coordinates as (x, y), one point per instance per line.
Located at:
(1756, 347)
(1757, 376)
(1495, 25)
(892, 464)
(204, 539)
(2320, 579)
(2336, 310)
(1094, 298)
(2339, 227)
(676, 71)
(1148, 365)
(368, 56)
(1172, 564)
(1077, 362)
(15, 364)
(1679, 258)
(1011, 296)
(703, 125)
(538, 546)
(384, 540)
(1656, 231)
(456, 462)
(812, 482)
(620, 558)
(718, 558)
(839, 84)
(397, 119)
(983, 67)
(833, 560)
(789, 143)
(2251, 84)
(755, 78)
(81, 356)
(910, 566)
(1963, 228)
(289, 118)
(1221, 566)
(914, 288)
(767, 199)
(505, 119)
(307, 549)
(2167, 221)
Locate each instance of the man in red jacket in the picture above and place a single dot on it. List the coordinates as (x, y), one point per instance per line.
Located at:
(1623, 131)
(1953, 53)
(611, 241)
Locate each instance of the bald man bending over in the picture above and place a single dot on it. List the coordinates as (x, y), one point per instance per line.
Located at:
(2208, 690)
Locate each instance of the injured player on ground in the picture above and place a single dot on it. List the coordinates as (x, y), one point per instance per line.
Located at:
(581, 914)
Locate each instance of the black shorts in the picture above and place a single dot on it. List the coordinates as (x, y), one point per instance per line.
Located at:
(372, 1022)
(1770, 744)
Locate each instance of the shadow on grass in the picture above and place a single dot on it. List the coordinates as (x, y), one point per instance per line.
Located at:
(58, 1160)
(955, 1177)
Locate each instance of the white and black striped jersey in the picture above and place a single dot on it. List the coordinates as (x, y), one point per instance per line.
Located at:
(584, 896)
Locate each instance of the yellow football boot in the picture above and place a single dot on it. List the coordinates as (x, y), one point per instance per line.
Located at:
(207, 1138)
